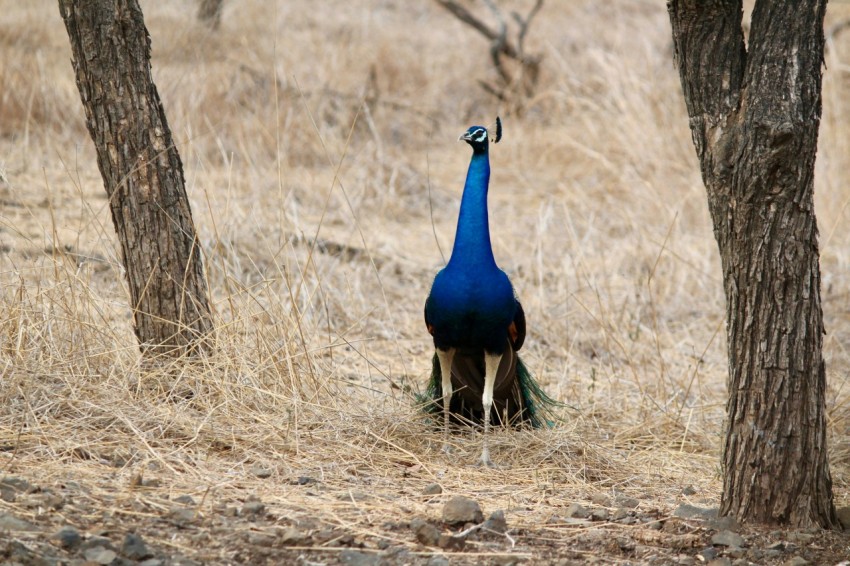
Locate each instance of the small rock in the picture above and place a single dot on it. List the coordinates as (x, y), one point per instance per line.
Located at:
(426, 533)
(577, 511)
(182, 516)
(292, 537)
(260, 472)
(437, 561)
(600, 499)
(800, 538)
(254, 508)
(15, 483)
(260, 539)
(134, 547)
(460, 509)
(796, 561)
(720, 562)
(770, 553)
(687, 511)
(689, 490)
(67, 537)
(151, 562)
(356, 558)
(709, 554)
(626, 502)
(100, 555)
(735, 552)
(655, 525)
(722, 523)
(185, 500)
(305, 480)
(95, 541)
(432, 489)
(11, 523)
(496, 522)
(449, 542)
(844, 517)
(779, 545)
(727, 538)
(600, 514)
(619, 514)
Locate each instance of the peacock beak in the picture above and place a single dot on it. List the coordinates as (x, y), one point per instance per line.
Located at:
(464, 137)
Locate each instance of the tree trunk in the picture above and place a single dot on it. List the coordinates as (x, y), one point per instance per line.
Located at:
(754, 120)
(209, 12)
(142, 173)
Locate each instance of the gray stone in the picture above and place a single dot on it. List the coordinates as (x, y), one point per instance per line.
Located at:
(437, 561)
(261, 472)
(796, 561)
(15, 483)
(293, 537)
(184, 500)
(151, 562)
(254, 508)
(722, 523)
(709, 554)
(600, 514)
(432, 489)
(11, 523)
(100, 555)
(182, 516)
(626, 502)
(800, 538)
(425, 532)
(96, 541)
(496, 522)
(67, 537)
(728, 538)
(577, 511)
(449, 542)
(357, 558)
(689, 490)
(687, 511)
(134, 547)
(600, 499)
(720, 562)
(620, 514)
(460, 510)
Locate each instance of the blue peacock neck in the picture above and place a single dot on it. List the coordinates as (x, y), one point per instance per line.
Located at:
(472, 249)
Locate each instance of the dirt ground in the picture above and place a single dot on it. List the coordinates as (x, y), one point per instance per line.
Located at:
(319, 142)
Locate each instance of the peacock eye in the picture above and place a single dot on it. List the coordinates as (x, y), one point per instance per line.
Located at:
(480, 135)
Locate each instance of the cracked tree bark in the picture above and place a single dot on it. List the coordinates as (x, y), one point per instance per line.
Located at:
(754, 117)
(142, 173)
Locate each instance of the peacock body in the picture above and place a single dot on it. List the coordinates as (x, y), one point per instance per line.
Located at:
(477, 323)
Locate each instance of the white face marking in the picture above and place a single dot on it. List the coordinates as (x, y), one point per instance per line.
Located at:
(479, 135)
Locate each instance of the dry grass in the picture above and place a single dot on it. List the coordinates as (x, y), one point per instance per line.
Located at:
(599, 217)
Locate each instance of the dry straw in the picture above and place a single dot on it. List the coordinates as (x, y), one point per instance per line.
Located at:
(310, 135)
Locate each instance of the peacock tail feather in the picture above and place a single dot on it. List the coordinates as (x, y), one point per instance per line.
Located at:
(522, 402)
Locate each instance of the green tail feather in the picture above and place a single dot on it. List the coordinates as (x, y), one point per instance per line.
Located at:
(539, 408)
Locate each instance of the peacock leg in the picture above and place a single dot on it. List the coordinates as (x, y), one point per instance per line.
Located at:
(445, 357)
(491, 367)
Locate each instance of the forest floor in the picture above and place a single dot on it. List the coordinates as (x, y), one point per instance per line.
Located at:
(319, 142)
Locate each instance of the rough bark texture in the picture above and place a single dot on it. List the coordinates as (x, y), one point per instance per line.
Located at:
(754, 118)
(142, 172)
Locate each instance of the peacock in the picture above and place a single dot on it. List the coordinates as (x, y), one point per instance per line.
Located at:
(477, 323)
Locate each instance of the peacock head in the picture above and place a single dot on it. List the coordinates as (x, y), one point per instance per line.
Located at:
(478, 137)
